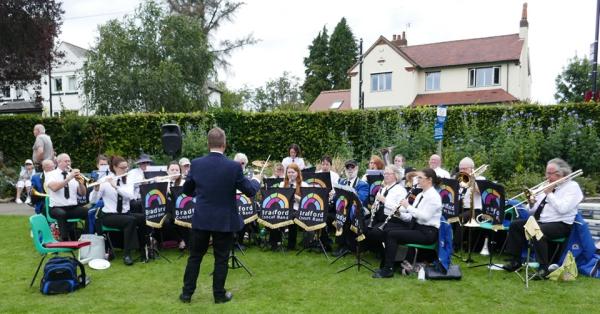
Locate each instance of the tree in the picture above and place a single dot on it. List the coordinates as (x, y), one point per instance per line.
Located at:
(211, 14)
(27, 32)
(281, 93)
(342, 54)
(234, 100)
(149, 62)
(574, 81)
(317, 67)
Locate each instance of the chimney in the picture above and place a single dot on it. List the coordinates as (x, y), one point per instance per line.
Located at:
(523, 24)
(393, 37)
(403, 42)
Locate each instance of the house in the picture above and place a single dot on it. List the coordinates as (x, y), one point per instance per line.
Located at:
(486, 70)
(332, 100)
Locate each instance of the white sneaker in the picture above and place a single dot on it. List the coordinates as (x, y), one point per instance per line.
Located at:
(28, 200)
(19, 201)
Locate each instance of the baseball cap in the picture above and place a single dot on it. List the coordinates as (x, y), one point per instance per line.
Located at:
(28, 162)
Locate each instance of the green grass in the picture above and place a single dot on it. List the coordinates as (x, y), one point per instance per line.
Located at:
(281, 283)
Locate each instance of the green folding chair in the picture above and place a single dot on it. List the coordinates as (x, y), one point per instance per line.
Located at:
(432, 247)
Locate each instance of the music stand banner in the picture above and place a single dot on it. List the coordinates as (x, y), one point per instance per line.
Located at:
(375, 181)
(449, 194)
(344, 199)
(353, 210)
(183, 207)
(154, 203)
(246, 208)
(276, 208)
(492, 202)
(311, 212)
(270, 183)
(318, 179)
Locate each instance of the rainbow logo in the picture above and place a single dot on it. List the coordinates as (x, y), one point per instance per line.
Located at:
(490, 198)
(341, 204)
(375, 187)
(275, 198)
(153, 196)
(316, 183)
(312, 199)
(242, 199)
(447, 194)
(183, 200)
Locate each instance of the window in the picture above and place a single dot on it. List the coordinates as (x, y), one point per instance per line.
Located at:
(381, 82)
(57, 84)
(480, 77)
(336, 104)
(432, 81)
(71, 83)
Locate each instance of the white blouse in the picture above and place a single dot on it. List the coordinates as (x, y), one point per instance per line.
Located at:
(109, 195)
(428, 210)
(396, 194)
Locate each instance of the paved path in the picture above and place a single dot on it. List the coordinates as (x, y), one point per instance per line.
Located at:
(16, 209)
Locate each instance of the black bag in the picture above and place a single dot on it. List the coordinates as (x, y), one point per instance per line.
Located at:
(60, 276)
(436, 272)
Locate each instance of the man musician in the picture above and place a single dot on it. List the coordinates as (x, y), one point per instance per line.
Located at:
(554, 209)
(213, 180)
(38, 186)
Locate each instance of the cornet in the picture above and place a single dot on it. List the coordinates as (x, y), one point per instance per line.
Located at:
(80, 177)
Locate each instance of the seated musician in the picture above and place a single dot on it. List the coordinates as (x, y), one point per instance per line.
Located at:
(386, 203)
(38, 186)
(466, 166)
(242, 159)
(554, 209)
(174, 173)
(435, 163)
(116, 193)
(179, 233)
(326, 166)
(294, 157)
(278, 171)
(399, 161)
(375, 163)
(64, 184)
(425, 214)
(293, 179)
(347, 241)
(102, 168)
(137, 175)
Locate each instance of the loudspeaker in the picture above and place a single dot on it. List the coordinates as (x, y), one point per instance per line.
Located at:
(171, 139)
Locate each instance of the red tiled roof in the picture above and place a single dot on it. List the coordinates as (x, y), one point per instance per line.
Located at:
(467, 51)
(326, 98)
(486, 96)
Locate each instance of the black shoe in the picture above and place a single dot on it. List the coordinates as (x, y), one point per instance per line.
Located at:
(185, 298)
(512, 266)
(340, 252)
(127, 260)
(384, 273)
(224, 299)
(541, 274)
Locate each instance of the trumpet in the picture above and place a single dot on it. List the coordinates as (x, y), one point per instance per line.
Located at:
(80, 177)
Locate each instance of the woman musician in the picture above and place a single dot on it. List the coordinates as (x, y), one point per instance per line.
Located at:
(173, 231)
(425, 213)
(386, 202)
(116, 193)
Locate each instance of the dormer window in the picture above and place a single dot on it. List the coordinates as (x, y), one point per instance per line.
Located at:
(482, 77)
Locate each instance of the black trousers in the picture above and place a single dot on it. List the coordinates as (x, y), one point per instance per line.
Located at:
(133, 226)
(61, 214)
(418, 234)
(222, 245)
(516, 240)
(376, 237)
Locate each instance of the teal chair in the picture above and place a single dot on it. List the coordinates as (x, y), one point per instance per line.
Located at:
(41, 236)
(52, 220)
(432, 247)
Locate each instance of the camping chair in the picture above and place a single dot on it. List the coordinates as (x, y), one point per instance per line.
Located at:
(42, 237)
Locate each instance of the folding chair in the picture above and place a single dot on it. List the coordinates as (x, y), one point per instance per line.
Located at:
(432, 247)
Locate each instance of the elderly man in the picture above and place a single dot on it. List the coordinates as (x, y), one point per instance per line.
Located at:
(42, 148)
(38, 186)
(435, 163)
(554, 209)
(63, 188)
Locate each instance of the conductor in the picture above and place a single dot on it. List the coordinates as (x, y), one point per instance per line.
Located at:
(212, 181)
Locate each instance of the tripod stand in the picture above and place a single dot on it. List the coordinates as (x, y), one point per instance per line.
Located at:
(357, 263)
(235, 261)
(152, 250)
(489, 264)
(317, 240)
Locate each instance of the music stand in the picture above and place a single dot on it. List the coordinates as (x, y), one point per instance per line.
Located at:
(359, 261)
(152, 247)
(317, 240)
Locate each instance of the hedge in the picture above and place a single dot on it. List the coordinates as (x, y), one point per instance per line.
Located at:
(484, 132)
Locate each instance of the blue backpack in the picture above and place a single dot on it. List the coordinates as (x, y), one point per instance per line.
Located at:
(60, 276)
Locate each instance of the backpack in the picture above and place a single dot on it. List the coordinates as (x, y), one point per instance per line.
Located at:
(60, 276)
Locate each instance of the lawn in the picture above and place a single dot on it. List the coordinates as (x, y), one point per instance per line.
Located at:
(281, 283)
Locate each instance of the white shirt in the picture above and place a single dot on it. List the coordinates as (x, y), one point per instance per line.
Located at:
(476, 199)
(57, 199)
(135, 175)
(333, 176)
(428, 211)
(561, 205)
(441, 173)
(396, 193)
(296, 160)
(109, 195)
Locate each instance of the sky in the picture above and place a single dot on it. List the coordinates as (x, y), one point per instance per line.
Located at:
(558, 30)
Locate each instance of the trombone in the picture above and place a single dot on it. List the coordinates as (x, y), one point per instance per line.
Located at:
(467, 180)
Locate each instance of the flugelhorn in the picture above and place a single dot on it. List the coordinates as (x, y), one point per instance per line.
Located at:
(80, 177)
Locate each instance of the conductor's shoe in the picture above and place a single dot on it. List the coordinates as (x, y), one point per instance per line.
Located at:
(185, 298)
(384, 273)
(225, 298)
(127, 260)
(512, 266)
(541, 274)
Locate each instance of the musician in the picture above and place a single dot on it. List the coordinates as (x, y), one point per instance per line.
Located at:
(467, 166)
(375, 163)
(242, 159)
(213, 181)
(174, 173)
(137, 175)
(172, 230)
(64, 184)
(425, 215)
(399, 161)
(38, 186)
(278, 171)
(554, 209)
(435, 163)
(293, 179)
(326, 163)
(387, 201)
(294, 157)
(116, 192)
(185, 166)
(25, 182)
